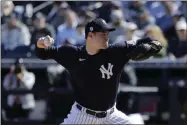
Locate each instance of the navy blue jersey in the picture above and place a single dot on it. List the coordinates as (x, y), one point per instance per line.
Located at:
(95, 77)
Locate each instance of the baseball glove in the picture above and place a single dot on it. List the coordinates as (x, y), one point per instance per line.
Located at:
(145, 50)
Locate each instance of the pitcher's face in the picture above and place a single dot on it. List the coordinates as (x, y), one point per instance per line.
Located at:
(101, 39)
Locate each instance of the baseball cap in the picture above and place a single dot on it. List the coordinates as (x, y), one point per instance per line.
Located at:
(181, 25)
(98, 25)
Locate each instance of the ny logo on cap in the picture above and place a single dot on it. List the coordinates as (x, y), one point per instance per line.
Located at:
(91, 28)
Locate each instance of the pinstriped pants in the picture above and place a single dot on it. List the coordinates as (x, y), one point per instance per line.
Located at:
(81, 117)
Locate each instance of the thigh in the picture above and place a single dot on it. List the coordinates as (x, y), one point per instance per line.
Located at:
(74, 117)
(118, 117)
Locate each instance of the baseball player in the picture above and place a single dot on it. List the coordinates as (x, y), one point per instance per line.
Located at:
(95, 69)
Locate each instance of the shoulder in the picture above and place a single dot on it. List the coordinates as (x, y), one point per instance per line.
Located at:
(115, 48)
(81, 48)
(122, 45)
(69, 48)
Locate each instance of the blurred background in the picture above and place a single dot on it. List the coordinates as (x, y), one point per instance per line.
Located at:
(37, 92)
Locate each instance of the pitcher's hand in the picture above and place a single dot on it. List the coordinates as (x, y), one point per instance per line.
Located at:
(45, 42)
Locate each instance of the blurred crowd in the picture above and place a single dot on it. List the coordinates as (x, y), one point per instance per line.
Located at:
(23, 24)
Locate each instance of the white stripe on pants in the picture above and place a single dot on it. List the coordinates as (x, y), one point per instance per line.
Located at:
(81, 117)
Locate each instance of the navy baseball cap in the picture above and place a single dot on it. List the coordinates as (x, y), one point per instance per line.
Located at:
(98, 25)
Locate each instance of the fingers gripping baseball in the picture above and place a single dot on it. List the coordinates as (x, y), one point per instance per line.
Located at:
(45, 42)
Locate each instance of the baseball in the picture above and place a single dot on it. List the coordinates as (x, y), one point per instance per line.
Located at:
(46, 41)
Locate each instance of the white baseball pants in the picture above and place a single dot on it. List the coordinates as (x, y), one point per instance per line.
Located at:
(81, 117)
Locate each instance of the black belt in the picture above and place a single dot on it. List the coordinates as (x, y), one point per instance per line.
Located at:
(96, 114)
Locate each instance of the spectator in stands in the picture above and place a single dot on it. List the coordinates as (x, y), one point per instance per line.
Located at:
(78, 37)
(7, 10)
(19, 106)
(80, 34)
(58, 77)
(131, 33)
(59, 17)
(135, 8)
(171, 6)
(105, 10)
(77, 4)
(183, 8)
(14, 33)
(53, 12)
(41, 28)
(171, 14)
(108, 7)
(171, 33)
(177, 16)
(145, 19)
(140, 14)
(119, 23)
(155, 31)
(67, 33)
(129, 78)
(181, 29)
(88, 16)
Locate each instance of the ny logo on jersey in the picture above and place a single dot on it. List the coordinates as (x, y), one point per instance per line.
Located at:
(107, 72)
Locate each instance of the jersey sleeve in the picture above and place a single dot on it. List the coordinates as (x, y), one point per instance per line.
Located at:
(124, 47)
(63, 54)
